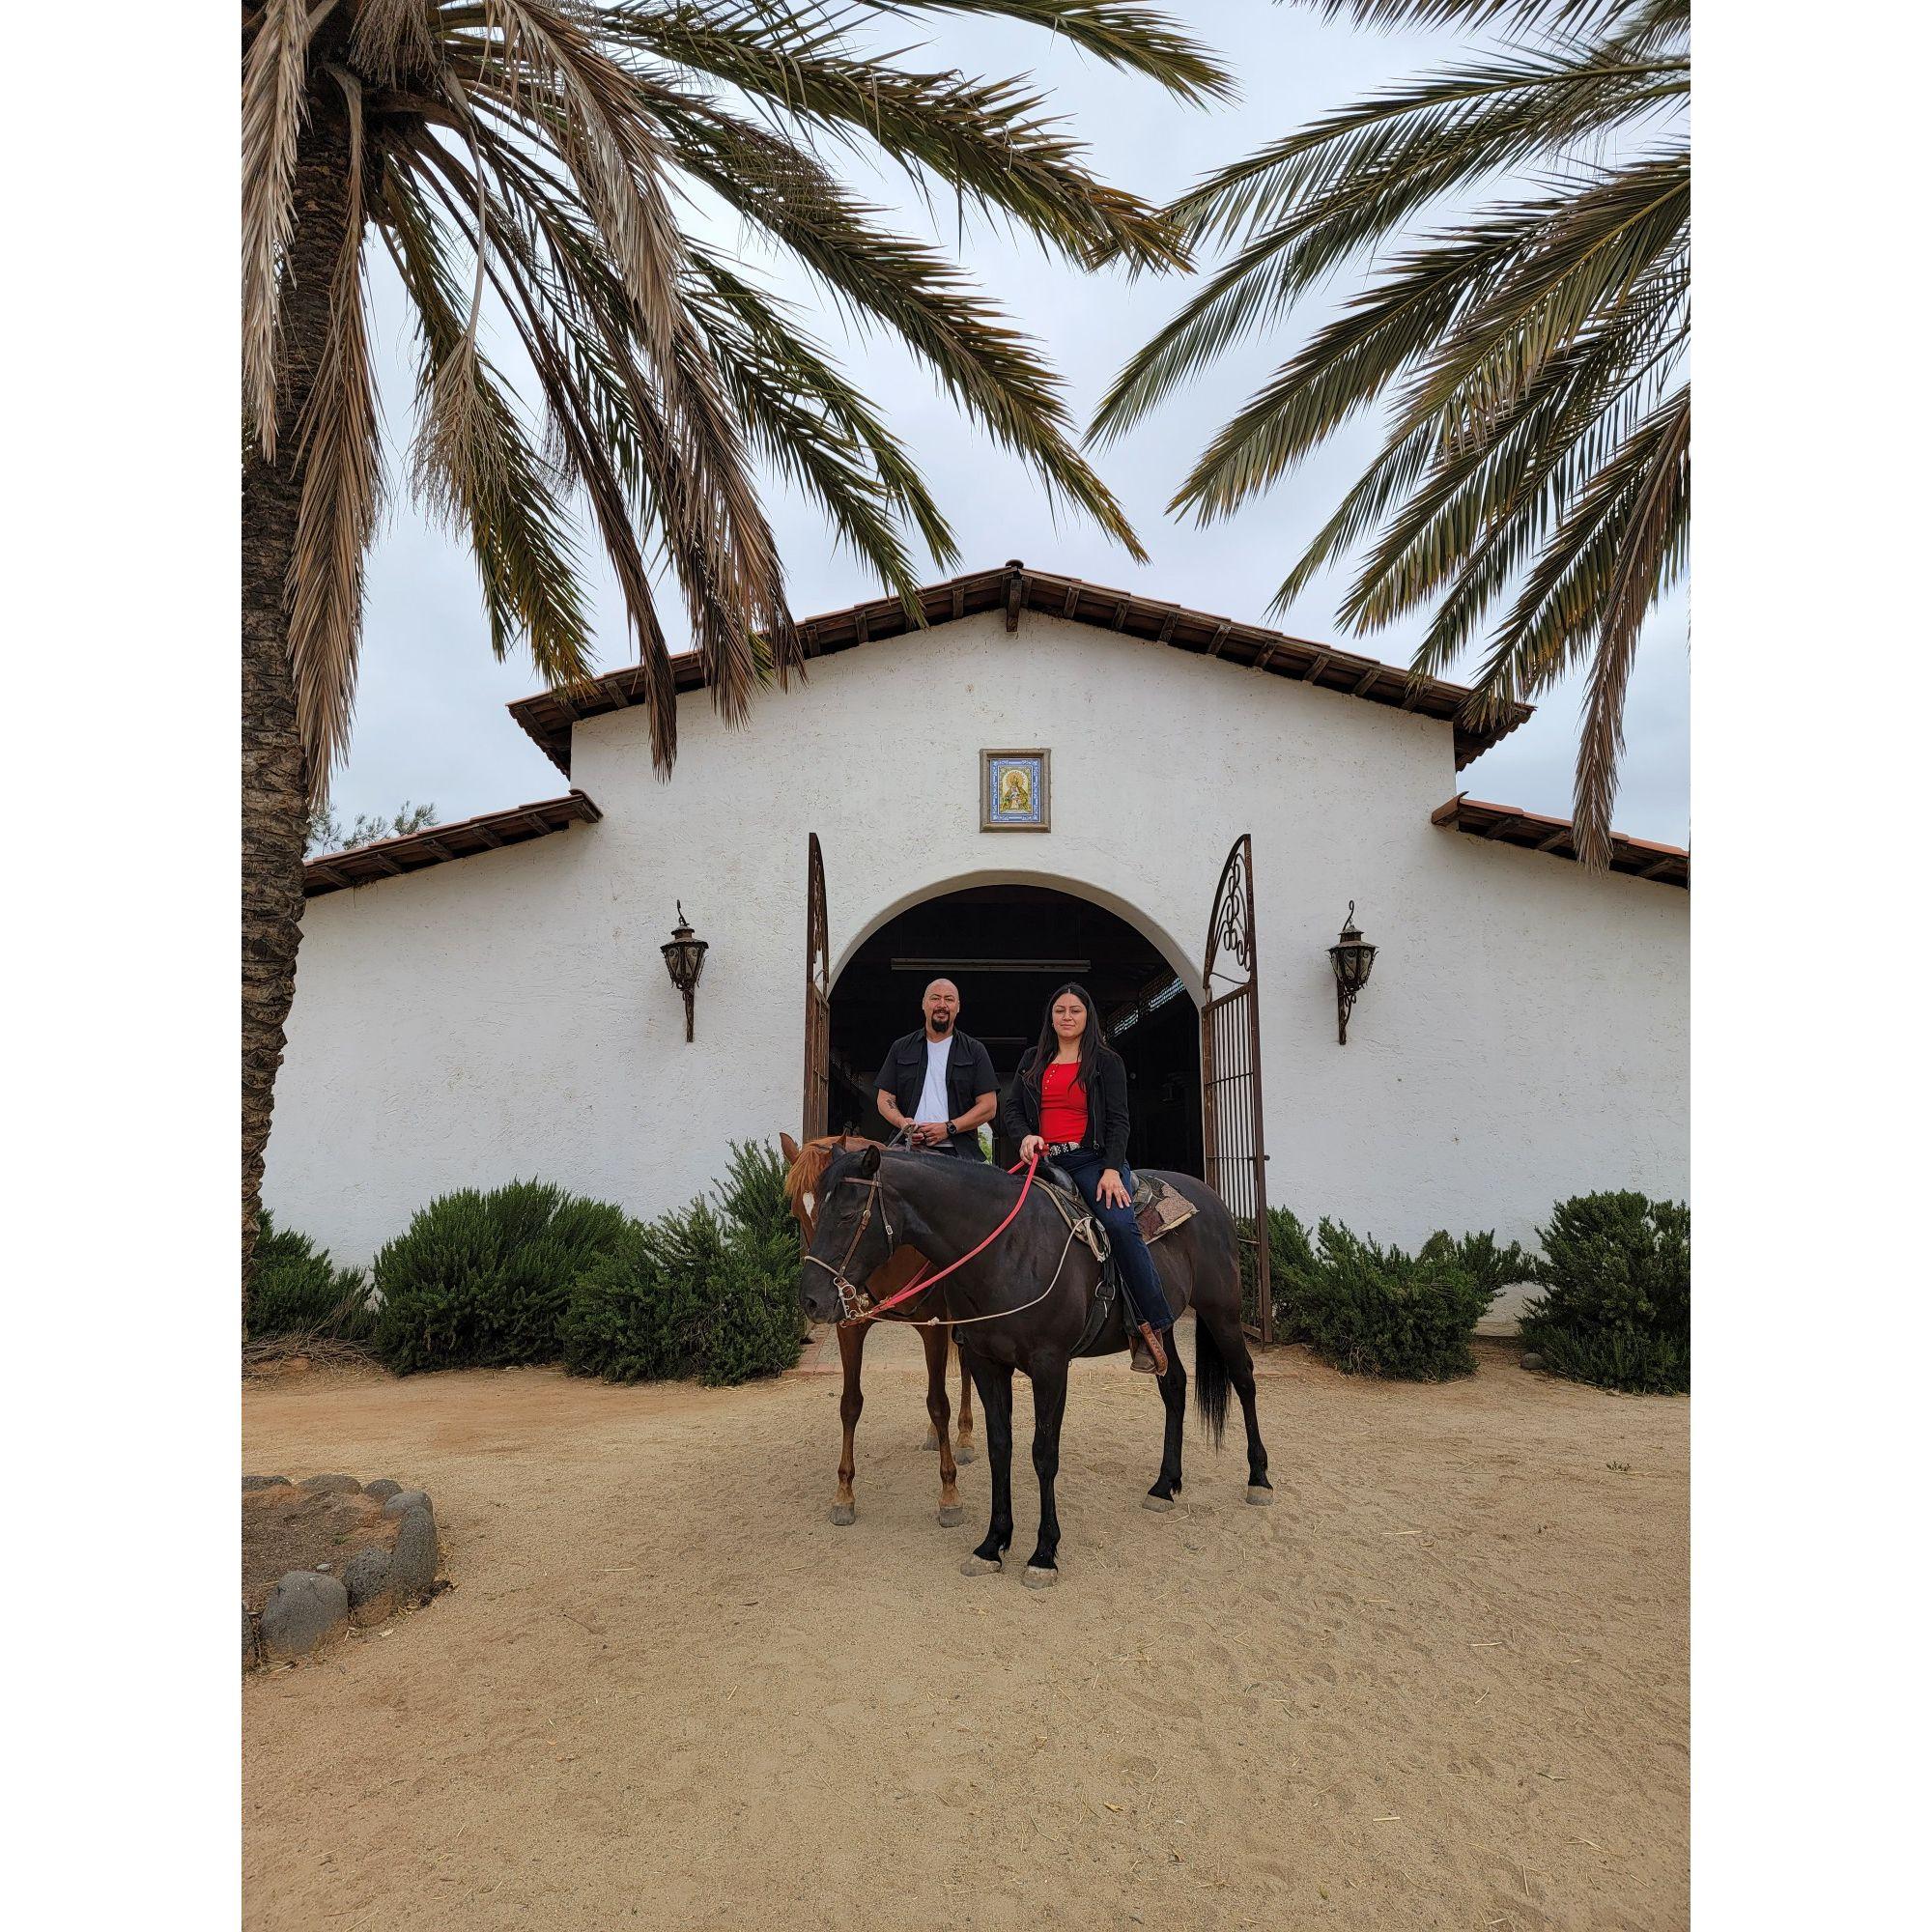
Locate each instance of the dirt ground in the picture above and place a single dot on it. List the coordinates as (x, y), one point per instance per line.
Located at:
(1443, 1683)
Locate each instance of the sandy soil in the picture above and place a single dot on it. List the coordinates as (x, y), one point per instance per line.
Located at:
(1443, 1683)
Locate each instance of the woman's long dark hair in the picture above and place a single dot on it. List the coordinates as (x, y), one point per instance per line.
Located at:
(1093, 1043)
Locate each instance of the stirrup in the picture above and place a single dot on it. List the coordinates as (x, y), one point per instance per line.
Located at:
(1147, 1344)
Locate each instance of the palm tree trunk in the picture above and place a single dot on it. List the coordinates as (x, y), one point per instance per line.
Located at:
(274, 769)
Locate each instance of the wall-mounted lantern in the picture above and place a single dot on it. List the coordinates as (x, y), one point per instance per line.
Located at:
(1351, 961)
(684, 960)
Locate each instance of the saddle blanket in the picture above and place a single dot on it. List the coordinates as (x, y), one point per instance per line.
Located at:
(1159, 1210)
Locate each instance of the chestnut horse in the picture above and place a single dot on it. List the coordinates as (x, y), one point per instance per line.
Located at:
(806, 1166)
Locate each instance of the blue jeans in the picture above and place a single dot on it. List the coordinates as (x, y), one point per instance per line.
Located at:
(1086, 1166)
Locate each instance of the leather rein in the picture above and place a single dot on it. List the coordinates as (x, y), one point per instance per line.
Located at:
(856, 1305)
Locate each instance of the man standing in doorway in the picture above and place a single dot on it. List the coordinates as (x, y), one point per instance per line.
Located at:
(937, 1084)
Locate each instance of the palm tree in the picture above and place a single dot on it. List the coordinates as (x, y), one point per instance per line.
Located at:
(1537, 460)
(546, 165)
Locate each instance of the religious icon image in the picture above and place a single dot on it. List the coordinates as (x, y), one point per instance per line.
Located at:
(1013, 791)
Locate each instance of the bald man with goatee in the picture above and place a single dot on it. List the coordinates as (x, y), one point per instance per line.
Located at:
(938, 1083)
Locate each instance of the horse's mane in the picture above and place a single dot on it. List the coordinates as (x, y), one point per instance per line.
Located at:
(805, 1173)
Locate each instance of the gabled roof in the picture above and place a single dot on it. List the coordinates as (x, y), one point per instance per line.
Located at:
(489, 832)
(1013, 588)
(1511, 825)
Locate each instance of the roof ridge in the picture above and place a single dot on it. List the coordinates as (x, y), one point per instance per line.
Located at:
(548, 716)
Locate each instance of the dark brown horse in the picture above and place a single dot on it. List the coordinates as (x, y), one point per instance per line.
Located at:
(806, 1166)
(1027, 1301)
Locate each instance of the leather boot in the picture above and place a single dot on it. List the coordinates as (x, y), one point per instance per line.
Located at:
(1149, 1358)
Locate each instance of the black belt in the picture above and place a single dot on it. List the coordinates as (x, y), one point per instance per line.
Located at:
(1065, 1147)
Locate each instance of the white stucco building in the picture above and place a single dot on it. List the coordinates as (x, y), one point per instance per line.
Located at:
(487, 1001)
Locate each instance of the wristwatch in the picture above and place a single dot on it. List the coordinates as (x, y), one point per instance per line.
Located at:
(951, 1129)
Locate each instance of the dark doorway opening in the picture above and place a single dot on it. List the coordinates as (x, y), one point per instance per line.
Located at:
(1007, 947)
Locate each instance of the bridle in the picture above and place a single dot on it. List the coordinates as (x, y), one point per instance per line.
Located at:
(856, 1305)
(853, 1300)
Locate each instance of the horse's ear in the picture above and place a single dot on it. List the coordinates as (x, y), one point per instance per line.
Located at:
(791, 1149)
(868, 1162)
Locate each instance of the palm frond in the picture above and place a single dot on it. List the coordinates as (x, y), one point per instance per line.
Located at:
(485, 479)
(992, 372)
(1528, 356)
(274, 74)
(983, 139)
(1655, 539)
(1525, 15)
(1135, 40)
(1308, 204)
(341, 460)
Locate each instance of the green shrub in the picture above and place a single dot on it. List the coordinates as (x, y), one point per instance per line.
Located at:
(1373, 1310)
(1288, 1247)
(710, 1292)
(298, 1291)
(686, 1295)
(482, 1280)
(755, 1327)
(1615, 1308)
(1495, 1268)
(752, 1196)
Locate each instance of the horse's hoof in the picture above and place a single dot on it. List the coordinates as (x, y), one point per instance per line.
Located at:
(977, 1565)
(931, 1439)
(845, 1514)
(965, 1453)
(1039, 1580)
(1260, 1495)
(952, 1516)
(1153, 1502)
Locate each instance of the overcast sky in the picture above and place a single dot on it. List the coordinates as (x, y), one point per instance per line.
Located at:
(430, 724)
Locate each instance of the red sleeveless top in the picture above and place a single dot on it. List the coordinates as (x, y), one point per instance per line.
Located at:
(1062, 1105)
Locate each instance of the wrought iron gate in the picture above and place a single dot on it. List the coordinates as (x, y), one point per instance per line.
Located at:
(817, 995)
(1234, 1155)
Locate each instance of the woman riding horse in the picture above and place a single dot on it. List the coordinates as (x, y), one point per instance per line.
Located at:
(1068, 1104)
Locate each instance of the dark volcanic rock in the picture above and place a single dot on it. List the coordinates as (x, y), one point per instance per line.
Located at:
(368, 1578)
(304, 1611)
(332, 1486)
(382, 1488)
(414, 1561)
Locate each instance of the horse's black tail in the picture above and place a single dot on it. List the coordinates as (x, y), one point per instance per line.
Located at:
(1211, 1381)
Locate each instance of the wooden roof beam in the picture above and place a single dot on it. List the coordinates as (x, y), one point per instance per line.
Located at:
(1016, 592)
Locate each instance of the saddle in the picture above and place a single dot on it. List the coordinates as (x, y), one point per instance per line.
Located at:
(1159, 1210)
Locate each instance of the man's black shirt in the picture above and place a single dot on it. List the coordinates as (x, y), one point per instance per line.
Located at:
(969, 1073)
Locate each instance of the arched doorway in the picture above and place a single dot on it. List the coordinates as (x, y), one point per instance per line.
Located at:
(1006, 946)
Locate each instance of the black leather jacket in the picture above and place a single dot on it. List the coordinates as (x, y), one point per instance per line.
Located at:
(1106, 1110)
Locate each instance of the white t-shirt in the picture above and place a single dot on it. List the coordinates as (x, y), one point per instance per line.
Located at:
(933, 1105)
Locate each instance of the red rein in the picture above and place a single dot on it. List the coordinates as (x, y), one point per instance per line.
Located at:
(922, 1281)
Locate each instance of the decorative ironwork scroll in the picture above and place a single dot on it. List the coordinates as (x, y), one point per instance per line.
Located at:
(1232, 1146)
(817, 996)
